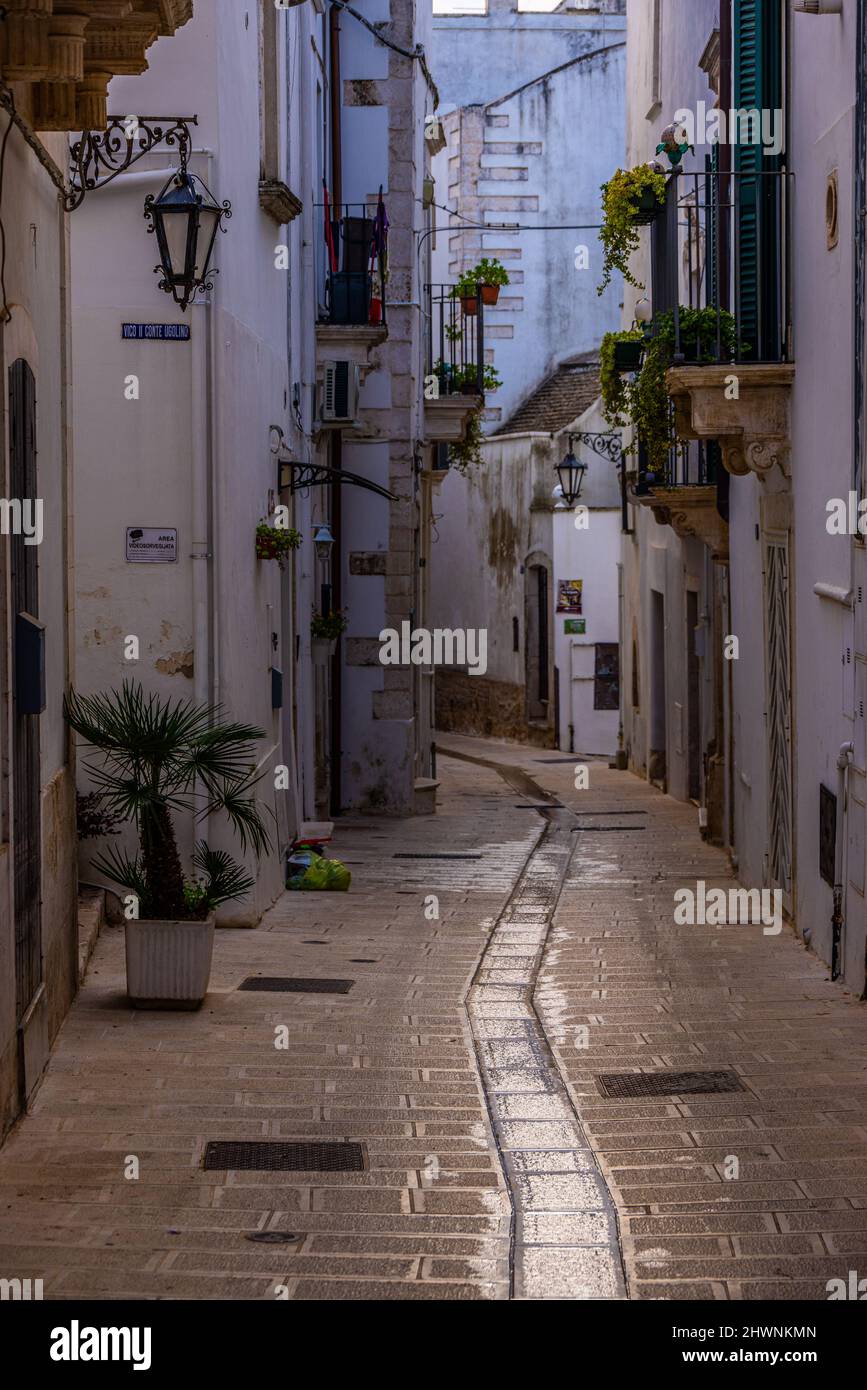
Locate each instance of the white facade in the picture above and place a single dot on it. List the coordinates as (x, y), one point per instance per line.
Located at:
(178, 435)
(535, 129)
(540, 683)
(778, 720)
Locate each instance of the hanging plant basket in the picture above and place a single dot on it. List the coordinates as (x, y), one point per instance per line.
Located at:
(490, 293)
(470, 304)
(276, 542)
(646, 207)
(627, 356)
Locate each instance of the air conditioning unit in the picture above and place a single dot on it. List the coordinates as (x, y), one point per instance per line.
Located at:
(339, 393)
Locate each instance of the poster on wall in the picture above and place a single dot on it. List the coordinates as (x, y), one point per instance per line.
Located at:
(569, 595)
(577, 627)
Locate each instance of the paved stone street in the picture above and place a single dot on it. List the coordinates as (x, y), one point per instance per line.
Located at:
(464, 1058)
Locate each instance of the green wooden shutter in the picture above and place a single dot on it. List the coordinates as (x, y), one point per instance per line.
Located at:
(758, 30)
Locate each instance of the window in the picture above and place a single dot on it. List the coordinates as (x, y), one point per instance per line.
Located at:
(606, 686)
(269, 102)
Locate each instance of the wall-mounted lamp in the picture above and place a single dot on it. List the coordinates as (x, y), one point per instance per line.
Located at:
(571, 474)
(323, 541)
(186, 218)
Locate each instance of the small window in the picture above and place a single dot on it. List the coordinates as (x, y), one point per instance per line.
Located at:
(636, 701)
(606, 687)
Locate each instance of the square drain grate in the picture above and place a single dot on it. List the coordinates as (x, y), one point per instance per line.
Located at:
(285, 984)
(436, 856)
(636, 1085)
(271, 1156)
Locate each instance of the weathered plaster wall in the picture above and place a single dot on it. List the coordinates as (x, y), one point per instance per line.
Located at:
(36, 280)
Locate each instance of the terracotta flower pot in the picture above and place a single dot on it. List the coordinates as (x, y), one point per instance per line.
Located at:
(470, 304)
(490, 293)
(168, 963)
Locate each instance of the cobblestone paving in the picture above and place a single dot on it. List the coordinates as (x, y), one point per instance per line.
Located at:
(655, 996)
(390, 1064)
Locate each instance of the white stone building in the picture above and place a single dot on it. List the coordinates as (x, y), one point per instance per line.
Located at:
(55, 63)
(776, 753)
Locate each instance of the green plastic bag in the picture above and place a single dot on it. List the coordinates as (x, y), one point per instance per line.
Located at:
(324, 876)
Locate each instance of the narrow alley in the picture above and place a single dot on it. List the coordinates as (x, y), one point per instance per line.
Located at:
(459, 1008)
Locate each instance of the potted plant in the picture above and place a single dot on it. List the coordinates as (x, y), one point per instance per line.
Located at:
(644, 401)
(325, 628)
(629, 198)
(465, 380)
(618, 353)
(490, 275)
(158, 756)
(467, 291)
(275, 542)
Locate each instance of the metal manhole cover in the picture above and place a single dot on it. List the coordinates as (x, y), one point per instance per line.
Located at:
(629, 1085)
(269, 1156)
(272, 1237)
(278, 984)
(436, 856)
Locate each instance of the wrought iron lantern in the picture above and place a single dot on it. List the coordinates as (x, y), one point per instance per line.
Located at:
(323, 540)
(571, 474)
(186, 218)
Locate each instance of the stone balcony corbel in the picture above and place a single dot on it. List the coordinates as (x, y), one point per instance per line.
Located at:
(692, 513)
(742, 405)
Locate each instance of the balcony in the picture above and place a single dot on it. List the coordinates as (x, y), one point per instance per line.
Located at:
(692, 497)
(722, 244)
(59, 57)
(351, 281)
(454, 362)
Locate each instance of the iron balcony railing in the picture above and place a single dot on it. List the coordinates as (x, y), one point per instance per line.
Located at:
(352, 262)
(455, 332)
(722, 243)
(690, 463)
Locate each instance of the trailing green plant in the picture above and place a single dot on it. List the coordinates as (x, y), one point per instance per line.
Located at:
(615, 398)
(329, 626)
(645, 399)
(276, 542)
(157, 757)
(468, 453)
(621, 196)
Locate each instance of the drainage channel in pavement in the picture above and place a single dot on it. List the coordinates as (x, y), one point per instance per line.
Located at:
(564, 1231)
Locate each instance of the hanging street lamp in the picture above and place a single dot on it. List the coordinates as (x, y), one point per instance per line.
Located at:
(323, 541)
(186, 218)
(571, 474)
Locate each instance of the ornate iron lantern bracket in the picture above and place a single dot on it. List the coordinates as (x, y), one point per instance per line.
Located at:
(99, 156)
(608, 446)
(296, 476)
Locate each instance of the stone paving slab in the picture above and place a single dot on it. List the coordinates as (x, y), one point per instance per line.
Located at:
(653, 995)
(391, 1064)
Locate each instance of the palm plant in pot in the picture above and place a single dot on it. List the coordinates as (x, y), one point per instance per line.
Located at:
(156, 757)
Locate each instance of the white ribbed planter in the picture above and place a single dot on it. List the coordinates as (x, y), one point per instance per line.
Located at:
(322, 649)
(168, 964)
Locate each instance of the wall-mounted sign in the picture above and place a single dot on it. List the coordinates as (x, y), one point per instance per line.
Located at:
(576, 626)
(156, 332)
(569, 595)
(151, 545)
